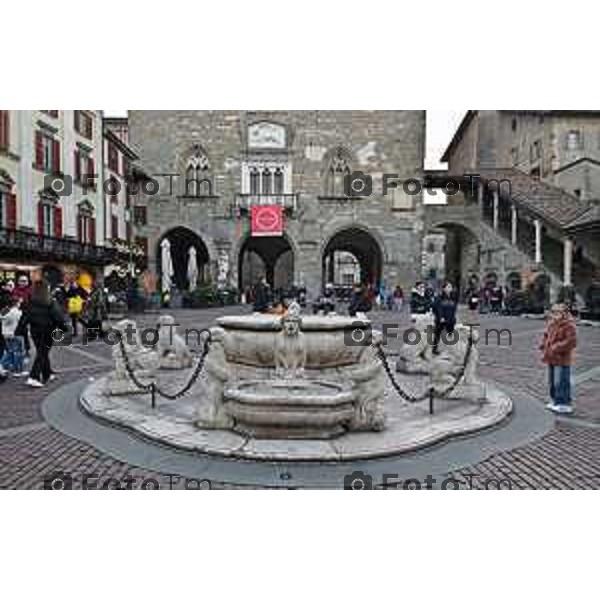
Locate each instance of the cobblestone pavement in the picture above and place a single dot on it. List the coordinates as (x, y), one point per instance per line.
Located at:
(567, 457)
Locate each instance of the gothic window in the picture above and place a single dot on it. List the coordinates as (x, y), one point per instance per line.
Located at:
(254, 182)
(338, 168)
(261, 178)
(197, 180)
(266, 182)
(535, 151)
(574, 140)
(278, 181)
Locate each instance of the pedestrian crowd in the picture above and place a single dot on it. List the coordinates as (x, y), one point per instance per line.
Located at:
(30, 313)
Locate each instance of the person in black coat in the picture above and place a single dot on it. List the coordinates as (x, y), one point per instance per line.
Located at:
(42, 315)
(360, 301)
(262, 296)
(444, 313)
(420, 300)
(5, 303)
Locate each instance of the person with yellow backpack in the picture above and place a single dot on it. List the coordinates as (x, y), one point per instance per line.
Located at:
(75, 305)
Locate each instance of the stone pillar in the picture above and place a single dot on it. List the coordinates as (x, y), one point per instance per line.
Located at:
(496, 201)
(330, 267)
(538, 240)
(513, 222)
(568, 262)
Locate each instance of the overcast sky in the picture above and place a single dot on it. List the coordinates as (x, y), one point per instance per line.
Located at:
(441, 124)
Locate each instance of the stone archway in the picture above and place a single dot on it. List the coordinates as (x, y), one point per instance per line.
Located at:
(272, 257)
(351, 255)
(514, 281)
(181, 240)
(460, 253)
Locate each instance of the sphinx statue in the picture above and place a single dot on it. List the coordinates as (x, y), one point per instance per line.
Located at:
(211, 413)
(415, 358)
(173, 352)
(142, 360)
(458, 355)
(368, 380)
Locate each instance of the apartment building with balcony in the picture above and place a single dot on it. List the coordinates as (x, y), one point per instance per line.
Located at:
(51, 201)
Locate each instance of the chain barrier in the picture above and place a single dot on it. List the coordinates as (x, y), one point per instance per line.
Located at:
(430, 392)
(153, 386)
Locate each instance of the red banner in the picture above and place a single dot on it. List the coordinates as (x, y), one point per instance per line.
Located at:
(267, 220)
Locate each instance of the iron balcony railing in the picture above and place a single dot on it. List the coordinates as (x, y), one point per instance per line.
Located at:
(38, 247)
(244, 202)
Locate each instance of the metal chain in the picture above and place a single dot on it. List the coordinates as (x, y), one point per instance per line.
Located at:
(386, 365)
(194, 376)
(153, 387)
(461, 373)
(130, 371)
(413, 399)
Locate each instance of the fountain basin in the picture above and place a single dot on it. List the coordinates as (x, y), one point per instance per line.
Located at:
(250, 340)
(294, 409)
(308, 382)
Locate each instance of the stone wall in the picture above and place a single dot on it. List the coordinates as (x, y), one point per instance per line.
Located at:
(377, 141)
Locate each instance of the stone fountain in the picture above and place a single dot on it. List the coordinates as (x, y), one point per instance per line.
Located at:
(291, 377)
(295, 388)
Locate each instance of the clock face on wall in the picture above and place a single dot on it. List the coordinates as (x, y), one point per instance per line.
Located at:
(266, 135)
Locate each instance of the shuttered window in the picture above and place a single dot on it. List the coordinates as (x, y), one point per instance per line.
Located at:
(4, 129)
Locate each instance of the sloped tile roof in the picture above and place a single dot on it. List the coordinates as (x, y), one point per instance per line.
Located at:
(590, 218)
(548, 202)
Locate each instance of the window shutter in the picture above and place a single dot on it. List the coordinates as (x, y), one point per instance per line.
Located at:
(39, 150)
(93, 231)
(58, 222)
(77, 171)
(4, 129)
(40, 218)
(91, 171)
(11, 211)
(56, 156)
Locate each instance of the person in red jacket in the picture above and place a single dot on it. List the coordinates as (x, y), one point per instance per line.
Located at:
(558, 345)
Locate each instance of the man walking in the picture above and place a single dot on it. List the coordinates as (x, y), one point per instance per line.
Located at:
(444, 312)
(558, 345)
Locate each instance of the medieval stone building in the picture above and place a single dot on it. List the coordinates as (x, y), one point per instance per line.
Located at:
(212, 167)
